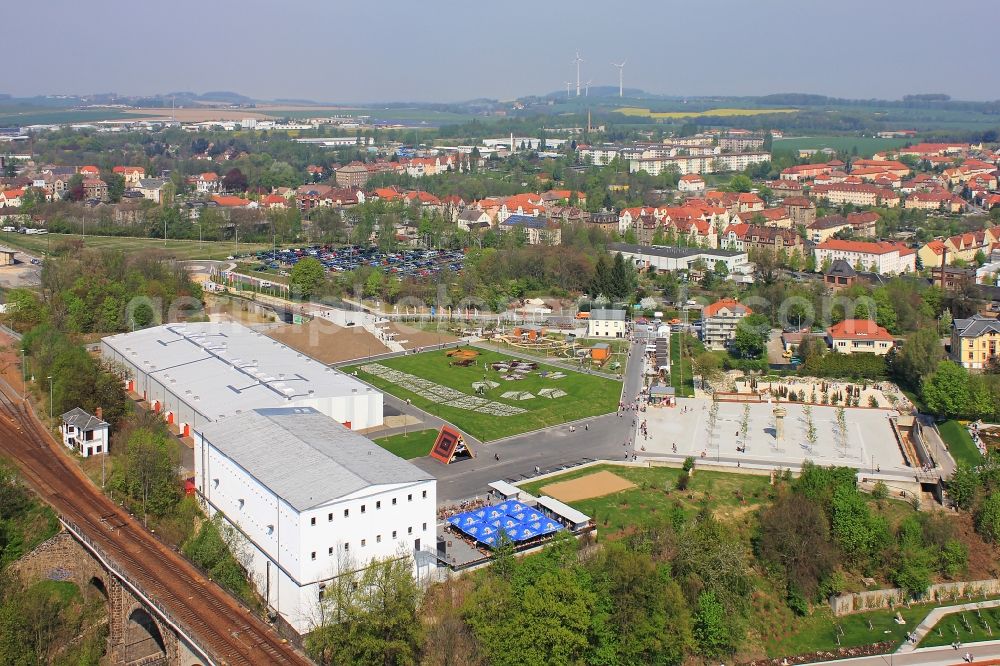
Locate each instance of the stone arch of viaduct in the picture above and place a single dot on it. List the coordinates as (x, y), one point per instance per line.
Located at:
(137, 635)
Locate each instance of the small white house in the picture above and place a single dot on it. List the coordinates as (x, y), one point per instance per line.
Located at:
(85, 433)
(606, 324)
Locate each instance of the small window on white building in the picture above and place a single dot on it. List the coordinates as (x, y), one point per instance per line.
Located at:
(322, 589)
(312, 521)
(425, 494)
(347, 546)
(345, 512)
(425, 527)
(329, 517)
(378, 538)
(215, 483)
(409, 498)
(312, 556)
(362, 508)
(270, 529)
(394, 534)
(242, 502)
(330, 551)
(394, 501)
(378, 505)
(362, 543)
(409, 530)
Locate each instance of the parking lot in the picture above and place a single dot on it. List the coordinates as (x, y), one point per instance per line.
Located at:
(402, 263)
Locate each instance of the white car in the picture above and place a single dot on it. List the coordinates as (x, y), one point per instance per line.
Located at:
(9, 229)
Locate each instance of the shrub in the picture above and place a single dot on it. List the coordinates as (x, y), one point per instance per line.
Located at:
(688, 464)
(872, 401)
(880, 491)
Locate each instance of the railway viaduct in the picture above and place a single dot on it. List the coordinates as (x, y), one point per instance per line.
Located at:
(141, 633)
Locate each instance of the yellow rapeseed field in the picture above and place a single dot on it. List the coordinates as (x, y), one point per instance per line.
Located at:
(646, 113)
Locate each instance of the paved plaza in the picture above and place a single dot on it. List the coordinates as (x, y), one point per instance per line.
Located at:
(869, 441)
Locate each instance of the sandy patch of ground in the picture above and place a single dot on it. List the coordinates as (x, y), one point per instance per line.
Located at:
(416, 338)
(587, 487)
(327, 342)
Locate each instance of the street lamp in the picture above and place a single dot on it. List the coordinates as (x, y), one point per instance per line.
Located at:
(50, 398)
(24, 377)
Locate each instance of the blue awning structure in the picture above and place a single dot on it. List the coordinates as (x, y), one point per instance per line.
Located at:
(518, 521)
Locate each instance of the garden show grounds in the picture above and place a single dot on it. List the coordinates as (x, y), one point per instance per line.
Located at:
(491, 395)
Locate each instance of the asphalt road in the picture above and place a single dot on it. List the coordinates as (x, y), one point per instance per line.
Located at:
(547, 450)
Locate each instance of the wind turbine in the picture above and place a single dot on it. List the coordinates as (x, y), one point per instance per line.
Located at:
(577, 60)
(569, 84)
(621, 71)
(586, 88)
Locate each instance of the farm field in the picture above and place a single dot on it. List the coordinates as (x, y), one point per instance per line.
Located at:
(502, 407)
(716, 113)
(430, 116)
(181, 249)
(865, 146)
(28, 115)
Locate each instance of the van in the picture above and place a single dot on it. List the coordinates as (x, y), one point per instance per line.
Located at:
(583, 315)
(9, 229)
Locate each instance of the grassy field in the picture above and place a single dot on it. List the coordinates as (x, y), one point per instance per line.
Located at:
(864, 145)
(819, 631)
(411, 445)
(587, 395)
(681, 377)
(182, 249)
(951, 628)
(398, 114)
(959, 443)
(716, 113)
(656, 498)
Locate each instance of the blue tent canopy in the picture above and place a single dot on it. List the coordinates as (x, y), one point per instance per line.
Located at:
(515, 519)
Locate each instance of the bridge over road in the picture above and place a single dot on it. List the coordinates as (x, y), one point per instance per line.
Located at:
(162, 610)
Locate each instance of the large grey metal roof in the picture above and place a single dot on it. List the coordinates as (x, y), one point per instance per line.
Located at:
(305, 457)
(219, 368)
(670, 251)
(976, 325)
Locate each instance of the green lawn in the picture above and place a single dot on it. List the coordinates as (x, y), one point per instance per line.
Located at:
(819, 631)
(181, 249)
(411, 445)
(656, 498)
(681, 377)
(587, 395)
(959, 443)
(865, 146)
(951, 628)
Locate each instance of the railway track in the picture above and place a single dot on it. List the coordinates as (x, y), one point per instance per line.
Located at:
(224, 629)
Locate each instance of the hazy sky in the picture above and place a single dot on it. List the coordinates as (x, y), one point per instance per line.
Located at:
(447, 50)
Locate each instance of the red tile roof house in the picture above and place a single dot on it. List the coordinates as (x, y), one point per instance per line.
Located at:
(853, 336)
(719, 321)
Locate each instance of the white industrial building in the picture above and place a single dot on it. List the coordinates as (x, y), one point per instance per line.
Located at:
(310, 498)
(669, 258)
(196, 373)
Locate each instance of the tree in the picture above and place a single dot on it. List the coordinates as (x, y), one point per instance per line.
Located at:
(946, 390)
(987, 518)
(751, 336)
(707, 365)
(116, 187)
(306, 277)
(918, 358)
(740, 183)
(371, 619)
(234, 181)
(963, 486)
(795, 535)
(712, 627)
(148, 473)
